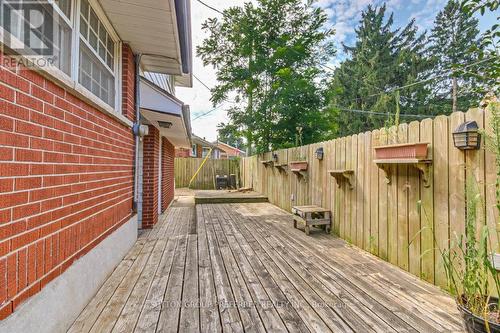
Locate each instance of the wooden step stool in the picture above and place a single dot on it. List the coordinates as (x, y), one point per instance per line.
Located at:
(312, 216)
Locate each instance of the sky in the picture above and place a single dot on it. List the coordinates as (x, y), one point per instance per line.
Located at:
(343, 16)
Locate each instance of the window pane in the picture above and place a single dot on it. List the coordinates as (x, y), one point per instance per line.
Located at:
(110, 61)
(65, 6)
(86, 81)
(93, 40)
(84, 29)
(98, 37)
(102, 33)
(94, 22)
(111, 46)
(48, 37)
(62, 49)
(84, 9)
(101, 82)
(102, 51)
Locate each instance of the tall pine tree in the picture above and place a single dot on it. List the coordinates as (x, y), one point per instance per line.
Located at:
(454, 34)
(381, 60)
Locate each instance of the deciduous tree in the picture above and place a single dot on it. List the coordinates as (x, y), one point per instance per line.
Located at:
(269, 57)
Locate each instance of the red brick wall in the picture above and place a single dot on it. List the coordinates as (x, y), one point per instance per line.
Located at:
(167, 177)
(150, 177)
(66, 180)
(128, 77)
(182, 152)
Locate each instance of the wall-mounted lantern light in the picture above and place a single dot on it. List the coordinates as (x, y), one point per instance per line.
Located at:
(275, 158)
(467, 136)
(319, 153)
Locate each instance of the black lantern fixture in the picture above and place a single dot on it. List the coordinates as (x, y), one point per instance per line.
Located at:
(275, 158)
(467, 136)
(319, 153)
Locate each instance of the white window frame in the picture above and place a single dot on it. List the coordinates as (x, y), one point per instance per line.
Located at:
(72, 80)
(205, 151)
(55, 71)
(117, 57)
(68, 20)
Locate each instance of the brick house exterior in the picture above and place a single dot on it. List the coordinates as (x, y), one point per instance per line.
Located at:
(183, 153)
(168, 185)
(67, 173)
(229, 152)
(66, 180)
(150, 182)
(199, 149)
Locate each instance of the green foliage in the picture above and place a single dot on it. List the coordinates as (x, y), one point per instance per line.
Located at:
(468, 261)
(230, 134)
(381, 60)
(454, 35)
(488, 47)
(268, 56)
(400, 70)
(495, 111)
(493, 144)
(297, 155)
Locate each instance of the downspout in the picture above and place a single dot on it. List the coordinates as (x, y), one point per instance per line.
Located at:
(137, 125)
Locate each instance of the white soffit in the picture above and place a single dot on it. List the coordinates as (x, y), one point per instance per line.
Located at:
(150, 28)
(158, 106)
(186, 81)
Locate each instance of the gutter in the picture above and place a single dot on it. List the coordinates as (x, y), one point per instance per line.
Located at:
(183, 15)
(137, 133)
(186, 114)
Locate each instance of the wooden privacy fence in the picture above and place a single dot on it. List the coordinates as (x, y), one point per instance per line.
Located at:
(185, 168)
(399, 218)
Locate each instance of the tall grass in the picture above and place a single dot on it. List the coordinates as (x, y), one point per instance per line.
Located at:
(471, 276)
(493, 144)
(468, 261)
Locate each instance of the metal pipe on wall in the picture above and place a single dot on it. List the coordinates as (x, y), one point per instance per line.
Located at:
(137, 168)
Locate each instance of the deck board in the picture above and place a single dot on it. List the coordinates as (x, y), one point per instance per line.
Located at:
(243, 267)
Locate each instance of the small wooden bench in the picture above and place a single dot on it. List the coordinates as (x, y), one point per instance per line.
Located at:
(312, 216)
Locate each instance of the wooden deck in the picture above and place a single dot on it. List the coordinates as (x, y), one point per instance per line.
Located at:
(228, 196)
(242, 267)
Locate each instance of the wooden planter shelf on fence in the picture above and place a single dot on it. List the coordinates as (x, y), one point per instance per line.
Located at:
(299, 168)
(281, 167)
(267, 163)
(298, 165)
(399, 151)
(300, 173)
(341, 175)
(424, 165)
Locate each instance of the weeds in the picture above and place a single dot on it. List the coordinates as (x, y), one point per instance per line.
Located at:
(468, 261)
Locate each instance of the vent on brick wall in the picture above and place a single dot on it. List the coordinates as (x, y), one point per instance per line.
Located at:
(165, 124)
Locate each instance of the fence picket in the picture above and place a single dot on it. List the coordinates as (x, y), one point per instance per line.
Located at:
(414, 227)
(402, 204)
(185, 168)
